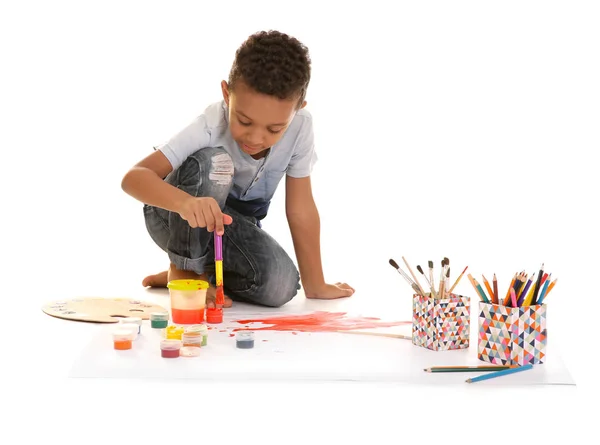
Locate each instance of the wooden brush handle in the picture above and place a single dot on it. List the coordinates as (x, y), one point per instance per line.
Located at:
(377, 334)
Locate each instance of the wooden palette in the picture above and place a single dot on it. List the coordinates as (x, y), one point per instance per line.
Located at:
(101, 310)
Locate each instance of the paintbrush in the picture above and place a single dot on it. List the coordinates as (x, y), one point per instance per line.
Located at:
(404, 275)
(421, 291)
(377, 334)
(430, 264)
(420, 269)
(458, 279)
(445, 262)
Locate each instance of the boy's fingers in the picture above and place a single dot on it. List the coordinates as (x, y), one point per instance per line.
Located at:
(227, 219)
(218, 219)
(208, 220)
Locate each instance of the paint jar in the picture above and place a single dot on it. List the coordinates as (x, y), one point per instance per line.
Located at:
(244, 339)
(192, 339)
(159, 320)
(133, 320)
(174, 332)
(204, 332)
(189, 351)
(130, 327)
(170, 348)
(188, 300)
(122, 338)
(214, 315)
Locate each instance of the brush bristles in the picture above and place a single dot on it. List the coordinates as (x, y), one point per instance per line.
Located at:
(420, 270)
(394, 264)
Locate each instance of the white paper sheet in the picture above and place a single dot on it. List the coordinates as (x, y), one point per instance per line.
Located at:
(299, 356)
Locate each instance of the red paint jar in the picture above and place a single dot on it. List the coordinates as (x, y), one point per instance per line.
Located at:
(170, 348)
(214, 315)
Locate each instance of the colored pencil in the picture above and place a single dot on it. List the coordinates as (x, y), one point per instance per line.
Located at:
(507, 297)
(529, 299)
(514, 288)
(489, 289)
(549, 289)
(499, 373)
(479, 289)
(468, 368)
(537, 286)
(496, 295)
(521, 298)
(544, 290)
(513, 297)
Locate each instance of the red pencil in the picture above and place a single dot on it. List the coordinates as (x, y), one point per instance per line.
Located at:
(495, 296)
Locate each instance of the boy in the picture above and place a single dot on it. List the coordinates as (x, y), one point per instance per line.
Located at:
(220, 172)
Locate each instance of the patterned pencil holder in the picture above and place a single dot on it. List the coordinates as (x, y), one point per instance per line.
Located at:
(512, 336)
(441, 324)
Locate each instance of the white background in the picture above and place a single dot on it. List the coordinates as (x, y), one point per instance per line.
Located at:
(458, 129)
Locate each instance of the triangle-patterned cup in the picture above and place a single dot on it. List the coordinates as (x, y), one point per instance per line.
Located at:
(441, 324)
(512, 335)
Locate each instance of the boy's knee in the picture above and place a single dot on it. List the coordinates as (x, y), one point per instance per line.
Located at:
(207, 172)
(280, 287)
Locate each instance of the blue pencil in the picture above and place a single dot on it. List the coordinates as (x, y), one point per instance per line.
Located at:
(498, 373)
(544, 290)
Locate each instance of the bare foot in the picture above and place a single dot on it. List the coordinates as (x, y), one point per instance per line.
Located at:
(210, 298)
(157, 280)
(162, 278)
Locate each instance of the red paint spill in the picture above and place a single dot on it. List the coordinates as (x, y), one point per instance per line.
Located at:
(231, 335)
(263, 340)
(223, 330)
(295, 333)
(318, 322)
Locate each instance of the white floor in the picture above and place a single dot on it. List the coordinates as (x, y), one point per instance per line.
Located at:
(298, 356)
(446, 129)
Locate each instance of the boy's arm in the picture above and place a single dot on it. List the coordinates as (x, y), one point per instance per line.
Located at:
(304, 222)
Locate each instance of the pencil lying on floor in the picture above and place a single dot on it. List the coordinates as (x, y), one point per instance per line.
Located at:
(475, 368)
(499, 373)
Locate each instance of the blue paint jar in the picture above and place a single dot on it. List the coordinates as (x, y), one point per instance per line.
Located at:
(244, 339)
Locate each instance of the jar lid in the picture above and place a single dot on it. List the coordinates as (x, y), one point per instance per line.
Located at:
(129, 327)
(159, 316)
(123, 334)
(170, 344)
(187, 284)
(214, 315)
(189, 351)
(194, 328)
(244, 335)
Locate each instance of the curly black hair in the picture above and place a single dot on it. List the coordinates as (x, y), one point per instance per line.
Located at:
(272, 63)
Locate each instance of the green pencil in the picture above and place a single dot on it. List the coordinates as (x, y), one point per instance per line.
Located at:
(476, 368)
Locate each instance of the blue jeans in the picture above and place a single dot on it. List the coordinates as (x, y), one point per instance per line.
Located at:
(256, 269)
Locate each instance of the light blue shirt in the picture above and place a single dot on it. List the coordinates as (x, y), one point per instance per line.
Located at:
(254, 180)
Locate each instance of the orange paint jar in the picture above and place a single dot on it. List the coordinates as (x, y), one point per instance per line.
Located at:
(123, 339)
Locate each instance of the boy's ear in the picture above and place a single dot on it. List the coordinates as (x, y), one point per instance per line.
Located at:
(225, 90)
(303, 105)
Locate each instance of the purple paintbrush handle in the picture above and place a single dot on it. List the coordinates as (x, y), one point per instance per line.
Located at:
(218, 247)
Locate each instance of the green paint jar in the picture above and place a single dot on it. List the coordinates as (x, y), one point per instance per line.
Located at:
(201, 329)
(204, 332)
(159, 320)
